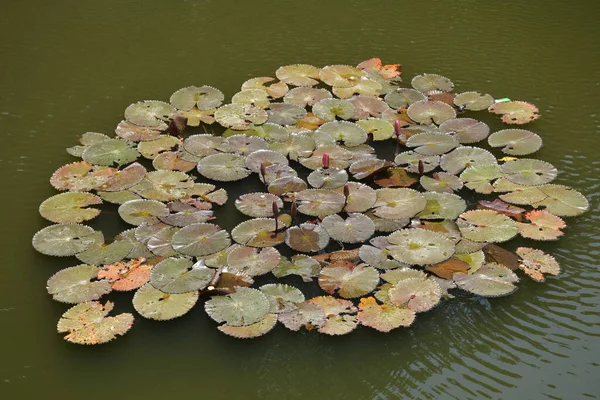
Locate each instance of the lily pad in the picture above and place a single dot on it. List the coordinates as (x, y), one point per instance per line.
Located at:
(543, 226)
(529, 172)
(180, 275)
(430, 144)
(306, 96)
(240, 116)
(307, 238)
(126, 275)
(354, 229)
(360, 197)
(329, 109)
(224, 167)
(257, 204)
(350, 281)
(303, 314)
(256, 159)
(363, 87)
(441, 182)
(432, 82)
(442, 206)
(417, 163)
(380, 129)
(77, 285)
(420, 247)
(491, 280)
(253, 261)
(280, 295)
(419, 295)
(258, 232)
(274, 88)
(300, 264)
(100, 253)
(80, 177)
(338, 157)
(342, 76)
(110, 152)
(536, 263)
(254, 330)
(245, 306)
(200, 239)
(562, 201)
(298, 145)
(486, 226)
(464, 157)
(285, 114)
(403, 97)
(155, 304)
(319, 202)
(205, 145)
(378, 257)
(479, 177)
(515, 112)
(65, 239)
(340, 315)
(466, 130)
(384, 317)
(69, 207)
(125, 178)
(137, 212)
(287, 185)
(516, 142)
(153, 148)
(298, 74)
(135, 133)
(473, 101)
(87, 323)
(202, 97)
(328, 178)
(255, 97)
(149, 113)
(398, 203)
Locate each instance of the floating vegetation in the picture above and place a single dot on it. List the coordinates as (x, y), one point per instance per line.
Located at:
(343, 154)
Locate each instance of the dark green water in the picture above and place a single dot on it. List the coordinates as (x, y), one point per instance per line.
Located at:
(69, 67)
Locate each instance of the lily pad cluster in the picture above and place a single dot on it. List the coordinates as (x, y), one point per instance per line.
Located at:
(389, 196)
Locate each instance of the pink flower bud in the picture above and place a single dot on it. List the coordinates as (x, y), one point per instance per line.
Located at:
(325, 160)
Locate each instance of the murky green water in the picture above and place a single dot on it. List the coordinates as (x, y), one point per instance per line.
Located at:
(70, 67)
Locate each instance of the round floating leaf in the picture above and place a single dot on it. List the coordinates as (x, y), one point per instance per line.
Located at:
(200, 239)
(562, 201)
(280, 295)
(329, 178)
(360, 197)
(194, 116)
(126, 275)
(378, 257)
(400, 274)
(486, 226)
(529, 172)
(340, 315)
(231, 279)
(68, 207)
(368, 166)
(464, 157)
(87, 323)
(173, 161)
(515, 112)
(135, 133)
(419, 295)
(257, 158)
(255, 97)
(223, 167)
(152, 303)
(240, 116)
(149, 113)
(379, 128)
(77, 284)
(307, 238)
(448, 268)
(403, 97)
(272, 132)
(203, 97)
(473, 101)
(306, 96)
(430, 144)
(364, 87)
(258, 232)
(86, 140)
(491, 280)
(65, 239)
(276, 171)
(205, 145)
(99, 253)
(274, 89)
(543, 226)
(80, 177)
(245, 306)
(442, 206)
(257, 204)
(348, 133)
(420, 246)
(109, 152)
(341, 75)
(302, 265)
(412, 161)
(441, 182)
(329, 109)
(287, 185)
(447, 228)
(536, 263)
(285, 114)
(383, 317)
(152, 148)
(516, 142)
(166, 185)
(478, 177)
(524, 195)
(298, 74)
(303, 314)
(298, 145)
(257, 329)
(354, 229)
(338, 157)
(466, 130)
(160, 243)
(398, 203)
(136, 212)
(432, 82)
(427, 112)
(244, 145)
(319, 202)
(125, 178)
(367, 106)
(349, 281)
(253, 261)
(180, 275)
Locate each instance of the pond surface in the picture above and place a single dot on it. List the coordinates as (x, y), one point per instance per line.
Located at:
(72, 67)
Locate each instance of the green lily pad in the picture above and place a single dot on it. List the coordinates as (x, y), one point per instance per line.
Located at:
(329, 109)
(529, 172)
(77, 285)
(245, 306)
(384, 317)
(125, 178)
(68, 207)
(430, 144)
(254, 330)
(298, 145)
(403, 97)
(180, 275)
(306, 96)
(441, 182)
(398, 203)
(464, 157)
(355, 228)
(100, 253)
(562, 201)
(442, 206)
(200, 239)
(319, 202)
(420, 246)
(419, 295)
(303, 314)
(285, 114)
(349, 281)
(466, 130)
(205, 145)
(411, 161)
(380, 129)
(307, 238)
(479, 177)
(284, 185)
(327, 178)
(255, 97)
(110, 152)
(516, 142)
(155, 304)
(348, 133)
(149, 113)
(486, 226)
(341, 75)
(362, 87)
(281, 295)
(137, 212)
(360, 197)
(153, 148)
(432, 82)
(298, 74)
(240, 116)
(87, 323)
(203, 97)
(255, 160)
(338, 157)
(274, 88)
(257, 204)
(223, 167)
(300, 264)
(64, 240)
(253, 261)
(258, 232)
(473, 101)
(491, 280)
